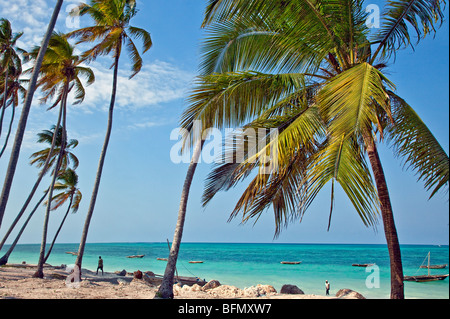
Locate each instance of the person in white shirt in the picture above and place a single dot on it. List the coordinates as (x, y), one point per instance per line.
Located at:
(327, 287)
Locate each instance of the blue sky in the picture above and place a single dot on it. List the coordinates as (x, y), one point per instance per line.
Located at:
(140, 190)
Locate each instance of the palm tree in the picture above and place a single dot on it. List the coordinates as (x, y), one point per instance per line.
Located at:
(39, 159)
(165, 290)
(68, 182)
(113, 31)
(307, 69)
(47, 158)
(24, 115)
(9, 57)
(61, 71)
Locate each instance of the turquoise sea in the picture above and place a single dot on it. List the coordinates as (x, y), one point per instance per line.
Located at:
(245, 264)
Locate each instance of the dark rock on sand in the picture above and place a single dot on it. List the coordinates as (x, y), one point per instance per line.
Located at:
(291, 290)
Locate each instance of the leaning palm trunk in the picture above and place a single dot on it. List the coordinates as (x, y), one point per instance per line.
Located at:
(166, 288)
(38, 181)
(90, 212)
(25, 112)
(390, 231)
(8, 134)
(40, 266)
(4, 99)
(59, 229)
(5, 257)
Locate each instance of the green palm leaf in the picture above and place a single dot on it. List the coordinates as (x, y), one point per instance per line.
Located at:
(400, 17)
(414, 143)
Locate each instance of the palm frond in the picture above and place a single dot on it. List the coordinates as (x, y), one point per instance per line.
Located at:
(342, 160)
(348, 101)
(400, 17)
(416, 146)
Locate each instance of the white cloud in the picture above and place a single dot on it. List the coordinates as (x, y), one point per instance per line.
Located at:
(158, 82)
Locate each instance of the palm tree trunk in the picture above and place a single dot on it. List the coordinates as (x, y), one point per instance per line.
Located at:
(5, 257)
(38, 181)
(5, 95)
(90, 212)
(166, 289)
(13, 113)
(397, 291)
(25, 112)
(40, 266)
(59, 229)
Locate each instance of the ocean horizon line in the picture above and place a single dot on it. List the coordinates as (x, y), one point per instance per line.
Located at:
(239, 243)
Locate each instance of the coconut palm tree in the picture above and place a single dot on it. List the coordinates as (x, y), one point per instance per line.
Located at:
(307, 68)
(9, 57)
(61, 72)
(40, 159)
(67, 184)
(112, 31)
(15, 152)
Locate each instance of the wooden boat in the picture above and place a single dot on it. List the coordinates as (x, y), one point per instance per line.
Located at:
(72, 253)
(428, 277)
(136, 256)
(190, 281)
(423, 278)
(290, 262)
(434, 266)
(165, 259)
(196, 262)
(362, 265)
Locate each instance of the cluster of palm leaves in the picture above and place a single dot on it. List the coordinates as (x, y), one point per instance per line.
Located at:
(58, 72)
(313, 70)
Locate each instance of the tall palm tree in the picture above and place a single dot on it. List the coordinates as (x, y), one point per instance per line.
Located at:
(15, 152)
(314, 78)
(9, 57)
(47, 158)
(61, 72)
(165, 290)
(67, 184)
(112, 31)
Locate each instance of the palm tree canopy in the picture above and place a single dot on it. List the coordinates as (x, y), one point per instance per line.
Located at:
(8, 49)
(312, 70)
(46, 137)
(60, 67)
(67, 183)
(112, 30)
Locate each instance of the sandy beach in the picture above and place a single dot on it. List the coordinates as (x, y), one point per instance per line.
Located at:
(16, 282)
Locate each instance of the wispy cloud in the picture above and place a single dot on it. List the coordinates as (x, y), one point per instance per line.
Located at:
(158, 82)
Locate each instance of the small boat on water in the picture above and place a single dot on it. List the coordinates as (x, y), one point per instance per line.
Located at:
(196, 262)
(136, 256)
(423, 278)
(72, 253)
(428, 277)
(290, 262)
(362, 265)
(434, 266)
(158, 258)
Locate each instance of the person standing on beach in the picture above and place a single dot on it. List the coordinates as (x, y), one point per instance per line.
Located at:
(327, 287)
(100, 264)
